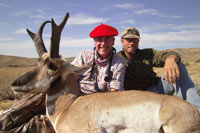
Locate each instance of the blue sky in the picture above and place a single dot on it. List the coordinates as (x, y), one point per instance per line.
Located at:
(163, 24)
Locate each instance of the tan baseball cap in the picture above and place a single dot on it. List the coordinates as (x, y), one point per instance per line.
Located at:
(130, 32)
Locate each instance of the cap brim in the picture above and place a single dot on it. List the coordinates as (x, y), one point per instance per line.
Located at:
(131, 36)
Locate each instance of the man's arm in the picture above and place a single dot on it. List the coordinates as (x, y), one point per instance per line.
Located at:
(171, 70)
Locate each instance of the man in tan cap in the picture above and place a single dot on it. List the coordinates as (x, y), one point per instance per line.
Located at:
(139, 73)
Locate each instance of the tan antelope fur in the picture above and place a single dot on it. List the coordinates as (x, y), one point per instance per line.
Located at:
(106, 112)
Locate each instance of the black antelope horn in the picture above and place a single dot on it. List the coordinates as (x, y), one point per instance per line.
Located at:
(55, 36)
(37, 39)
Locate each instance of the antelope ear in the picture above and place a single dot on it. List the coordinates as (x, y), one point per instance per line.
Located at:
(72, 81)
(80, 70)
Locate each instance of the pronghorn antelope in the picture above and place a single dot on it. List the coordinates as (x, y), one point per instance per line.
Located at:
(110, 112)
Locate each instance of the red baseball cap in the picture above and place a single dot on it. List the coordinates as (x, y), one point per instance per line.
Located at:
(103, 30)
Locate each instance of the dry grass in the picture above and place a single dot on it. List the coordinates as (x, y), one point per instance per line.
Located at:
(193, 70)
(8, 74)
(4, 104)
(14, 61)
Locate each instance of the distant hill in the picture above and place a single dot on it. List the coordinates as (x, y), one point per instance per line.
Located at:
(188, 55)
(15, 61)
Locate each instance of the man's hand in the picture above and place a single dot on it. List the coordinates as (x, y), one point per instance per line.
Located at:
(171, 70)
(112, 89)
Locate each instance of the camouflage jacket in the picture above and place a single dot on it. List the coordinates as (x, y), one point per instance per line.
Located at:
(139, 71)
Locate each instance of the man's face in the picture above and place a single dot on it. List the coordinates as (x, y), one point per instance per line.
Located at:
(104, 46)
(130, 45)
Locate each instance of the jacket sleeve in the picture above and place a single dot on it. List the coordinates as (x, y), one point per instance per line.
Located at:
(159, 57)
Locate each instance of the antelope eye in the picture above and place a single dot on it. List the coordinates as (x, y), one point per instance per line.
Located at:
(52, 66)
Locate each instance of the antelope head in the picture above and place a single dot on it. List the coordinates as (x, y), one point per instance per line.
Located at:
(52, 71)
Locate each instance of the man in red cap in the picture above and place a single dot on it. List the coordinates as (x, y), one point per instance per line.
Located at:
(106, 74)
(108, 69)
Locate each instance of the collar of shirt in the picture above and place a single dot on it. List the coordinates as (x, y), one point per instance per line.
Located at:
(129, 61)
(101, 62)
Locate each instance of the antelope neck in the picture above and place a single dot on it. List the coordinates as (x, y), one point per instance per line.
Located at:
(63, 96)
